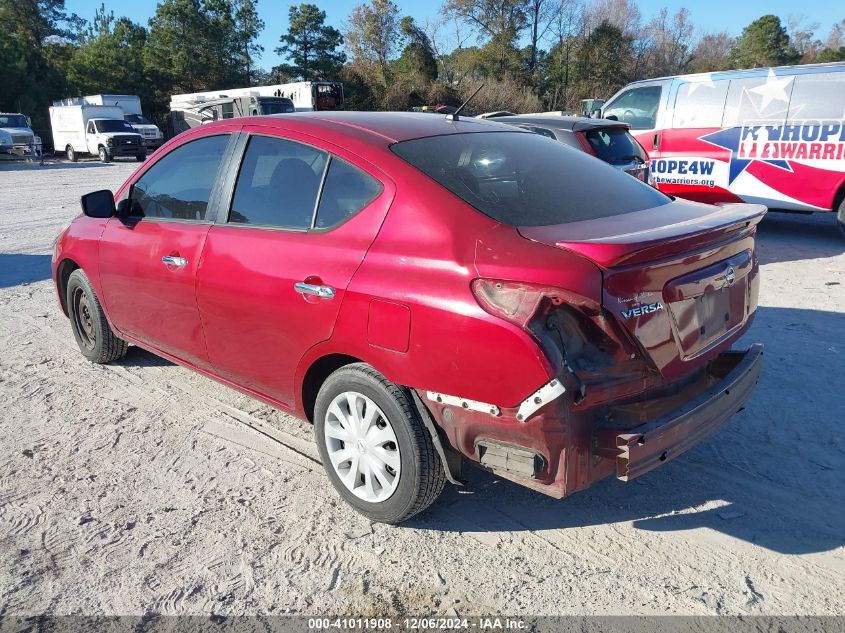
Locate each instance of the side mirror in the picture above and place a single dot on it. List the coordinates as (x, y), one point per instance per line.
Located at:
(596, 114)
(98, 204)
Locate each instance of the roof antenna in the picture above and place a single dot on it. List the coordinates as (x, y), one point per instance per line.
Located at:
(454, 116)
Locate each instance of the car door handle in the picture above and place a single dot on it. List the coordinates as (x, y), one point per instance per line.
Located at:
(327, 292)
(172, 260)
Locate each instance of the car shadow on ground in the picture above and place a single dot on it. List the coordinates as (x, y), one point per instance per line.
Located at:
(23, 268)
(23, 165)
(139, 357)
(783, 237)
(770, 477)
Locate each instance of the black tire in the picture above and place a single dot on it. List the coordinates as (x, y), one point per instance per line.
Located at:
(105, 157)
(141, 157)
(92, 331)
(840, 218)
(421, 477)
(71, 154)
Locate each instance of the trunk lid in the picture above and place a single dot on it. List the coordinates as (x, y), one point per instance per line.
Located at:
(681, 279)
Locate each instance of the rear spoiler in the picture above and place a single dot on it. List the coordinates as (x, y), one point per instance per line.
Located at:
(656, 233)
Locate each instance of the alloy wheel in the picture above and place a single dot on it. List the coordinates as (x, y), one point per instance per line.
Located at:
(362, 447)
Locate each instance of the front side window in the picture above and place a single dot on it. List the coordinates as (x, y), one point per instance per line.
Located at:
(524, 179)
(91, 128)
(637, 107)
(278, 184)
(179, 185)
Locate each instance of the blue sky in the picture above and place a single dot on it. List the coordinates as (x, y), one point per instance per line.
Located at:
(711, 16)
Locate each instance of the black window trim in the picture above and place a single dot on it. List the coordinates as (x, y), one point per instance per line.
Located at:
(211, 210)
(234, 170)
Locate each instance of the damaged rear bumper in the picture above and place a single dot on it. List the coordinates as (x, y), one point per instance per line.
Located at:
(640, 449)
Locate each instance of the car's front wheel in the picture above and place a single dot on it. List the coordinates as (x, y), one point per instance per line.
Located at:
(105, 157)
(374, 447)
(96, 340)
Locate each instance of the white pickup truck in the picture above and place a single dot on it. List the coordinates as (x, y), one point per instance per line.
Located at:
(96, 130)
(17, 137)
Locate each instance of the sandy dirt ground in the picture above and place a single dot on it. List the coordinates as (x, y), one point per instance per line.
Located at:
(142, 487)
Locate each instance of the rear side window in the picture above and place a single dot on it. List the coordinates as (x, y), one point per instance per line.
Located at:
(637, 107)
(278, 184)
(700, 104)
(819, 96)
(615, 145)
(757, 99)
(346, 191)
(179, 185)
(526, 180)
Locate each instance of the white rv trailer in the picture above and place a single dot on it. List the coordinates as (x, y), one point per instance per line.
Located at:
(306, 95)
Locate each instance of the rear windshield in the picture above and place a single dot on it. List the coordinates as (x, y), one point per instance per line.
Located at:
(615, 145)
(136, 118)
(277, 107)
(526, 179)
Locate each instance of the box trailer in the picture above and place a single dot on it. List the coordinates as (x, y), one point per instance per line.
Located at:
(98, 130)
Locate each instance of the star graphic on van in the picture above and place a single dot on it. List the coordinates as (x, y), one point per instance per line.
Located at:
(731, 138)
(773, 90)
(754, 131)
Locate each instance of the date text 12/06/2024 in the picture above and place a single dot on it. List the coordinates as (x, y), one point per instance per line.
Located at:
(417, 623)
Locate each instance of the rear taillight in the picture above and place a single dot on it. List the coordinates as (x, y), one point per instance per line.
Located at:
(585, 144)
(511, 300)
(571, 329)
(518, 301)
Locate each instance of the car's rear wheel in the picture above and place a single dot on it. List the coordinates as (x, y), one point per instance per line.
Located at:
(71, 154)
(92, 331)
(374, 447)
(840, 217)
(104, 155)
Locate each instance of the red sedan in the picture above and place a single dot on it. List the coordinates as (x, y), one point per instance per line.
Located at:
(426, 291)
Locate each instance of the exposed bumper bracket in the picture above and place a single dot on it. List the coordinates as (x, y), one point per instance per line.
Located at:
(463, 403)
(539, 398)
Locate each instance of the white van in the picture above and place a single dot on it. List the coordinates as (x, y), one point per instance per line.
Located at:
(774, 136)
(96, 130)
